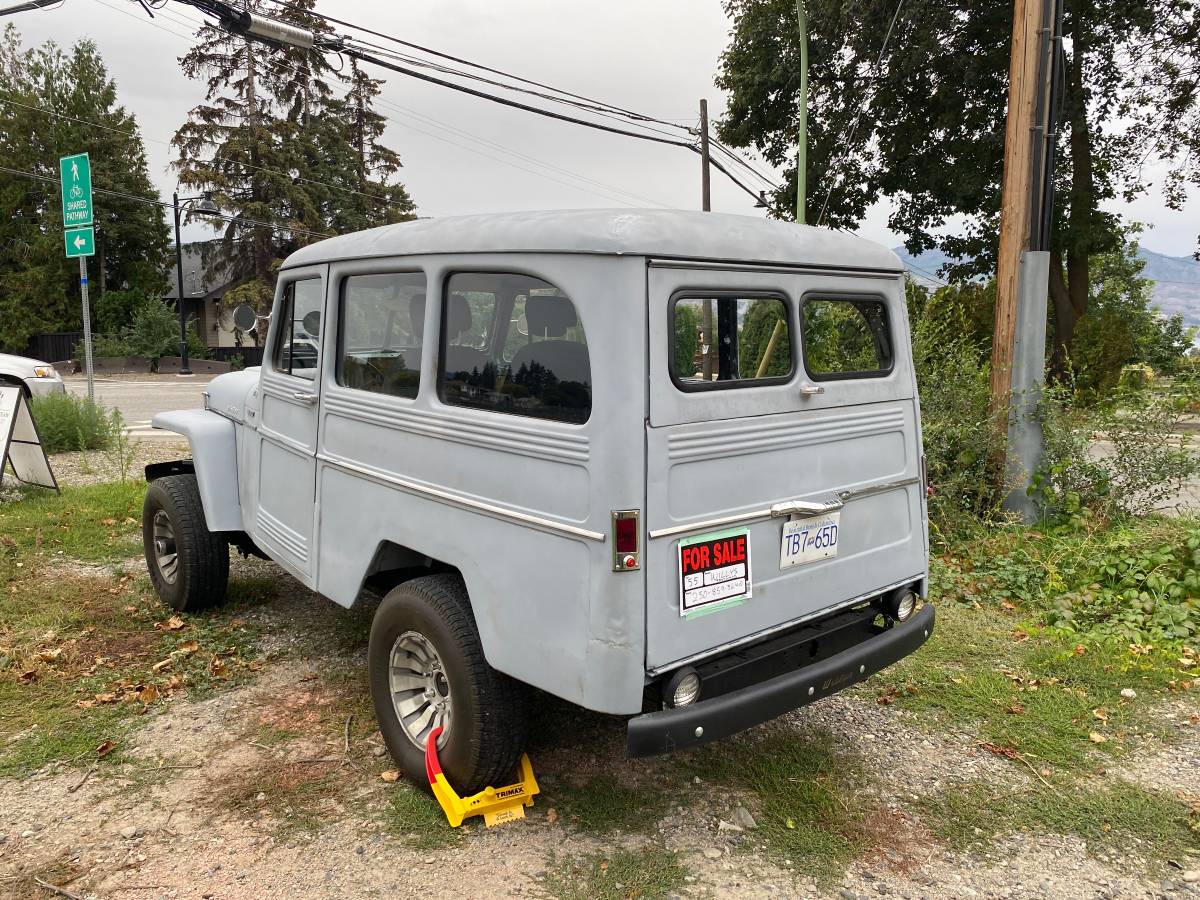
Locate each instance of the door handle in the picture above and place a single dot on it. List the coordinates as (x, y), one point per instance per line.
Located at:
(307, 399)
(808, 389)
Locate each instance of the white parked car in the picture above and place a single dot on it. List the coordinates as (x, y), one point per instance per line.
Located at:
(36, 377)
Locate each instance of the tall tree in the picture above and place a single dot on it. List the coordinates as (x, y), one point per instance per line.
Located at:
(925, 127)
(278, 146)
(48, 100)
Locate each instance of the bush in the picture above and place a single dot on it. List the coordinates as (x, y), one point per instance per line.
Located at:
(154, 331)
(1122, 458)
(115, 309)
(67, 422)
(111, 345)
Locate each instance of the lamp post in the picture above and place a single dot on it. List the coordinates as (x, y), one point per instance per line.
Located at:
(204, 203)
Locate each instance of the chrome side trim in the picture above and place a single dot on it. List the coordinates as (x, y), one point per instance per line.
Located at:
(490, 509)
(786, 508)
(749, 639)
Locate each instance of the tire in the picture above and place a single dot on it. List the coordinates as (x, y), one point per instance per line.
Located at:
(486, 720)
(200, 573)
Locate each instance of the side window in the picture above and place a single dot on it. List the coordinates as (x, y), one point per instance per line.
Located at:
(513, 344)
(297, 347)
(846, 338)
(382, 317)
(750, 341)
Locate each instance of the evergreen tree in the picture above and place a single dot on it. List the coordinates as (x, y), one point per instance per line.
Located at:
(39, 287)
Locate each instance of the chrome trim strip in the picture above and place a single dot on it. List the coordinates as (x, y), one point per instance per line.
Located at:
(715, 651)
(668, 262)
(786, 508)
(499, 512)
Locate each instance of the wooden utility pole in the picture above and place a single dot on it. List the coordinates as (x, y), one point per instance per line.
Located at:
(1015, 204)
(707, 344)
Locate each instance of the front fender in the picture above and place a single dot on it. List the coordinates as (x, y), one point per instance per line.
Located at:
(214, 458)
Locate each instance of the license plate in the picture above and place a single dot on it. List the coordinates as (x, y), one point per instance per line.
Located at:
(808, 540)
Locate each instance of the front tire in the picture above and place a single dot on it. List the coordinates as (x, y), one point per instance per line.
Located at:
(426, 667)
(189, 565)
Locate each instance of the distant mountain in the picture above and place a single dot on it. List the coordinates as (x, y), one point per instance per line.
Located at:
(1176, 278)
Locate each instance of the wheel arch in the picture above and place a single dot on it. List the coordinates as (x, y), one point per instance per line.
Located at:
(213, 442)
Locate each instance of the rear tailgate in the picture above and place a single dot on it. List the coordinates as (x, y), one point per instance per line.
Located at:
(733, 466)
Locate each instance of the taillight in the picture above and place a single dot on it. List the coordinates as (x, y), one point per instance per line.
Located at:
(627, 539)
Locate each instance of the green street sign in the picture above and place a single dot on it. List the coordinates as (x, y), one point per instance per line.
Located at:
(76, 175)
(80, 242)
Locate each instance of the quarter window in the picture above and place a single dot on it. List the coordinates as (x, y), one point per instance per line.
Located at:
(298, 345)
(846, 338)
(514, 344)
(382, 317)
(730, 341)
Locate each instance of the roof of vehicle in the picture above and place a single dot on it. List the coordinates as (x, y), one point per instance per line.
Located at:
(677, 234)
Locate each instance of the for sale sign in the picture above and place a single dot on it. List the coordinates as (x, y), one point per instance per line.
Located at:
(714, 569)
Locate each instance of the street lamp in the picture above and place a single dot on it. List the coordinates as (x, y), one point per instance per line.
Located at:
(204, 203)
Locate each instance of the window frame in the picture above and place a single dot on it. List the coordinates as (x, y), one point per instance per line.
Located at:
(861, 375)
(285, 330)
(694, 387)
(341, 331)
(495, 345)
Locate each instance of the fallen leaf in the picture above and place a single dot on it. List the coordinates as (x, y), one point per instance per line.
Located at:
(29, 677)
(1016, 709)
(174, 683)
(129, 520)
(791, 823)
(187, 648)
(148, 694)
(106, 748)
(552, 815)
(160, 665)
(172, 624)
(1097, 738)
(106, 698)
(1080, 649)
(390, 775)
(108, 521)
(1100, 713)
(603, 865)
(50, 655)
(216, 667)
(1006, 605)
(85, 704)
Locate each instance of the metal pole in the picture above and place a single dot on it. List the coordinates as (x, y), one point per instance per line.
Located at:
(802, 149)
(183, 342)
(706, 205)
(87, 329)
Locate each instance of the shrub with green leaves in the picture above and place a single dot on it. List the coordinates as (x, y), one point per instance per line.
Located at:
(68, 422)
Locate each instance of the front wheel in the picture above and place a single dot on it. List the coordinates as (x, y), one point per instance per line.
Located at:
(189, 565)
(427, 669)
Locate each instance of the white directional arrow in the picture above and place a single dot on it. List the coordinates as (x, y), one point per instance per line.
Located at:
(79, 242)
(74, 171)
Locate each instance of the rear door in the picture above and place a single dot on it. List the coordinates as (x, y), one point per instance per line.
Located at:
(781, 402)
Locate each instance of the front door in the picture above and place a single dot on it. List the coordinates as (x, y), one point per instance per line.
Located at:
(783, 455)
(287, 431)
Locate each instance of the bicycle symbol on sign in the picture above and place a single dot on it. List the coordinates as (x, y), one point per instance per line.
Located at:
(76, 192)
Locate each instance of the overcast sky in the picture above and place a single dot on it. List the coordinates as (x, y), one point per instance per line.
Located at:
(658, 57)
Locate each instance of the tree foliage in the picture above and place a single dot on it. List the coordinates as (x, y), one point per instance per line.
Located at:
(925, 127)
(39, 89)
(285, 155)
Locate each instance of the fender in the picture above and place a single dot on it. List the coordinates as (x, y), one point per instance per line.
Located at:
(214, 458)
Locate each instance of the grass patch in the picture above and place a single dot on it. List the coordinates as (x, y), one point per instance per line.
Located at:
(299, 796)
(67, 422)
(1057, 702)
(85, 652)
(415, 817)
(1117, 817)
(604, 804)
(650, 872)
(808, 815)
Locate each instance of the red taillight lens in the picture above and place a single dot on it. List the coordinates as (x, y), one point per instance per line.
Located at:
(627, 536)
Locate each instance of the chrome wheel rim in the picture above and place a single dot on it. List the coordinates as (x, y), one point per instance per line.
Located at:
(166, 552)
(420, 689)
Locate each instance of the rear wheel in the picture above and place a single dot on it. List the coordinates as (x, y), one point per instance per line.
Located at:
(427, 669)
(189, 565)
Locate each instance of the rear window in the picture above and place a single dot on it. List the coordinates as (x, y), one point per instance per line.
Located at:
(514, 344)
(730, 340)
(846, 337)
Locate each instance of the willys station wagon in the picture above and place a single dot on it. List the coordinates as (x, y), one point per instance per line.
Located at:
(664, 465)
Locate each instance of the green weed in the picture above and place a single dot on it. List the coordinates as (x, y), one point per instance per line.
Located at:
(416, 817)
(603, 804)
(648, 873)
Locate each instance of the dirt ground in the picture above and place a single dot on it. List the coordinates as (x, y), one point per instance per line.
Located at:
(280, 787)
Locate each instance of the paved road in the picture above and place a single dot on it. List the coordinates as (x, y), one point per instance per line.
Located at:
(139, 397)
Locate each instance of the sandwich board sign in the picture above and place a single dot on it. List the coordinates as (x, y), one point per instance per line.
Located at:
(20, 446)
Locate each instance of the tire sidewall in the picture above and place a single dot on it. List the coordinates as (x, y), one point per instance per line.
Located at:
(403, 610)
(171, 594)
